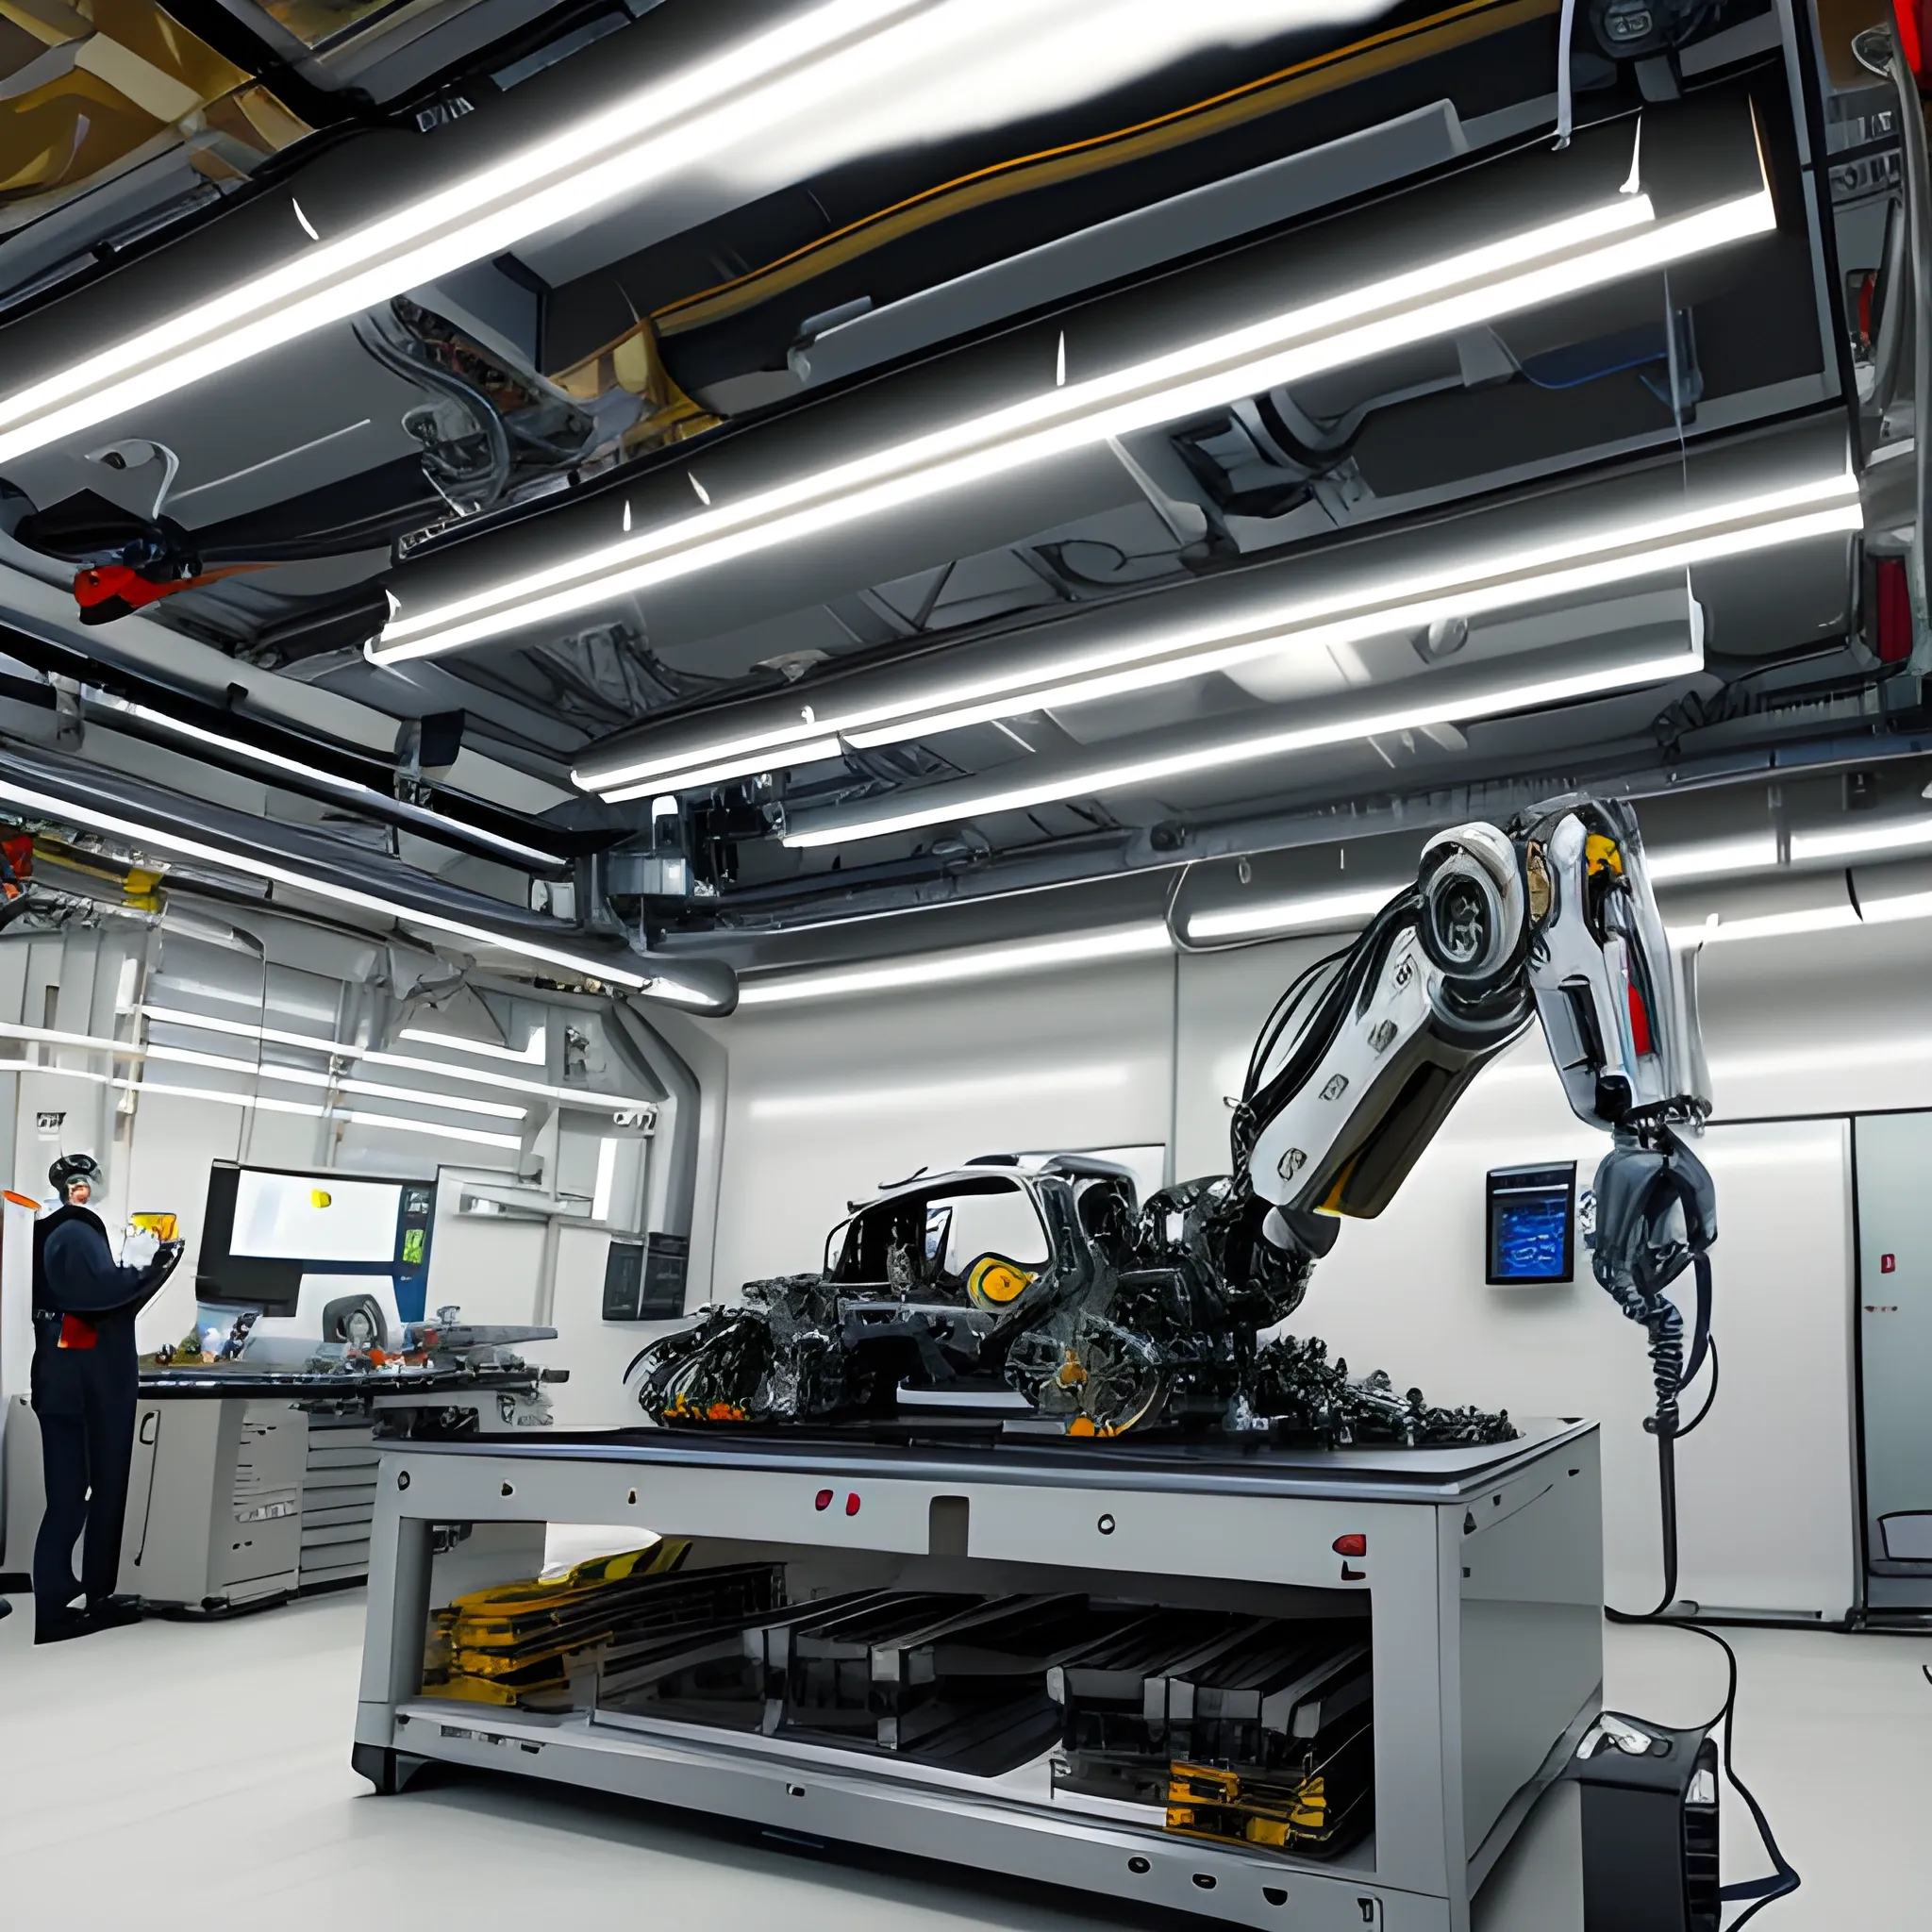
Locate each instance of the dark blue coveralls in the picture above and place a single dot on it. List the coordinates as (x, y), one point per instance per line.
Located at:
(85, 1379)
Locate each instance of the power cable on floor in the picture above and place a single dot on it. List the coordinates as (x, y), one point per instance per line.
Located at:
(1784, 1878)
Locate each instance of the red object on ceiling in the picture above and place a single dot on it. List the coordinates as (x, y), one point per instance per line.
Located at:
(1913, 36)
(1892, 620)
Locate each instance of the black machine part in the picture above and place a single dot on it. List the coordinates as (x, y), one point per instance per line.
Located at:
(1650, 1828)
(355, 1318)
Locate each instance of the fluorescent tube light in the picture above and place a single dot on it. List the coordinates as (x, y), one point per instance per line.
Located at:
(1888, 911)
(1553, 262)
(1573, 565)
(293, 1076)
(265, 1103)
(733, 764)
(441, 1130)
(52, 1035)
(1895, 837)
(572, 1096)
(607, 1180)
(1769, 926)
(56, 1072)
(377, 1089)
(68, 811)
(474, 1136)
(681, 120)
(243, 1029)
(1829, 1060)
(530, 1054)
(1708, 861)
(1085, 780)
(1043, 1083)
(944, 969)
(429, 822)
(305, 1076)
(476, 1076)
(1717, 930)
(1286, 915)
(1756, 853)
(255, 1001)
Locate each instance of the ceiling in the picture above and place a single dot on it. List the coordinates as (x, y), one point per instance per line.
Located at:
(1010, 352)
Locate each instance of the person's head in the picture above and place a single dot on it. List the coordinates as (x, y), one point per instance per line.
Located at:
(75, 1178)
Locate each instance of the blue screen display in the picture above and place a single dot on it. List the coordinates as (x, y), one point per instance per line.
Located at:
(1532, 1238)
(1532, 1215)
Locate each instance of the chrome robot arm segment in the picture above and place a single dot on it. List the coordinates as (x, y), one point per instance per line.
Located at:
(1331, 1122)
(1617, 1006)
(1555, 917)
(1618, 1013)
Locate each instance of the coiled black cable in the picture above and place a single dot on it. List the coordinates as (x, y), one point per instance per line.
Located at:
(1665, 1324)
(1784, 1878)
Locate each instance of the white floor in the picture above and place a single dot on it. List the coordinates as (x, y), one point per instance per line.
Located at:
(198, 1776)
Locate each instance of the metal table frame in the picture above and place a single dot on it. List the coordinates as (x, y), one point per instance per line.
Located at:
(1483, 1576)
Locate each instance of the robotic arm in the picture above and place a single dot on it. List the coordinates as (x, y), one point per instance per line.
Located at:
(1552, 920)
(1157, 1314)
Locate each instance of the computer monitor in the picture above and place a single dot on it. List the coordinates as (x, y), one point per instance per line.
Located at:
(265, 1228)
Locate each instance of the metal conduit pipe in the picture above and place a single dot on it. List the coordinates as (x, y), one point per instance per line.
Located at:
(493, 479)
(1877, 50)
(679, 1085)
(1895, 318)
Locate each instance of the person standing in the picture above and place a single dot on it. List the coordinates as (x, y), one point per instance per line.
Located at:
(85, 1379)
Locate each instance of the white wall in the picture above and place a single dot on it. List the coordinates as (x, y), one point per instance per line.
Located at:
(158, 1144)
(827, 1099)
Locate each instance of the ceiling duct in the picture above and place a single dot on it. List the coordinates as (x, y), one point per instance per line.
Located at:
(176, 830)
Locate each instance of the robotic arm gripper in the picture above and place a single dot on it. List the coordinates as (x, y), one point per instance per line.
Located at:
(1365, 1055)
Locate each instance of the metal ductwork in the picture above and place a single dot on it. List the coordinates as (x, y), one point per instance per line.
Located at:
(49, 788)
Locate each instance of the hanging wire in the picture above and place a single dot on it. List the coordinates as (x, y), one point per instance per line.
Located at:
(1565, 104)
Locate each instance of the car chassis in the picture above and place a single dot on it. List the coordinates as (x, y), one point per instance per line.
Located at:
(1139, 1316)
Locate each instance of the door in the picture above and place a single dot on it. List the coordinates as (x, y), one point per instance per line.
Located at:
(1894, 1184)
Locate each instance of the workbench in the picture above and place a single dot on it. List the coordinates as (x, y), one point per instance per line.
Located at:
(1482, 1576)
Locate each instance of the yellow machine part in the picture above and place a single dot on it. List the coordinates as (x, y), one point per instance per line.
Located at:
(477, 1691)
(1386, 51)
(500, 1663)
(99, 86)
(475, 1640)
(634, 360)
(1206, 1803)
(552, 1592)
(993, 1282)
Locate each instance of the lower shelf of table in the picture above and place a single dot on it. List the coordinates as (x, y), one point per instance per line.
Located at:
(1008, 1824)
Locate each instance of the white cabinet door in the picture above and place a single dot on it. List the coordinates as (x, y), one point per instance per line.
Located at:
(1767, 1483)
(1895, 1314)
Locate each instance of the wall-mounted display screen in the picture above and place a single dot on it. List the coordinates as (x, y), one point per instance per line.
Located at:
(266, 1227)
(1532, 1224)
(303, 1217)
